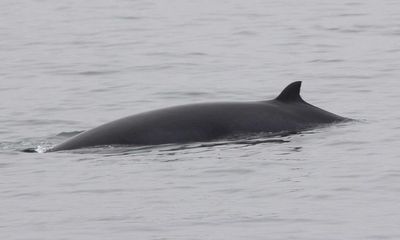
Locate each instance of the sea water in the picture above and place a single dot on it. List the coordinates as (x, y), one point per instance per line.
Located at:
(68, 66)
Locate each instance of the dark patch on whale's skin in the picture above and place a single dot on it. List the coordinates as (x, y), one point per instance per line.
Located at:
(207, 121)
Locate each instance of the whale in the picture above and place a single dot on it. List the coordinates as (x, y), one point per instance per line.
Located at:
(201, 122)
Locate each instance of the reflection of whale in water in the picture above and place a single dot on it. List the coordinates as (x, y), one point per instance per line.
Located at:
(207, 121)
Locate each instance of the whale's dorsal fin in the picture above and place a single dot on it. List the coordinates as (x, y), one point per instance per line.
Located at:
(291, 93)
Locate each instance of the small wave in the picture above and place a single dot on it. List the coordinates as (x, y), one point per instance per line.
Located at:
(128, 17)
(91, 73)
(196, 54)
(326, 60)
(69, 134)
(245, 33)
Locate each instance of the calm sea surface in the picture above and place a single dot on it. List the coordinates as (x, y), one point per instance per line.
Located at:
(67, 66)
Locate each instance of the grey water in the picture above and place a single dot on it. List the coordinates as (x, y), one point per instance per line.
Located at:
(68, 66)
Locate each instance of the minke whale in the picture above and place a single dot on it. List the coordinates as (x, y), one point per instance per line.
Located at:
(201, 122)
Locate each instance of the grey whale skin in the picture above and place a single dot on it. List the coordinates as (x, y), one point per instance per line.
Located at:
(207, 121)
